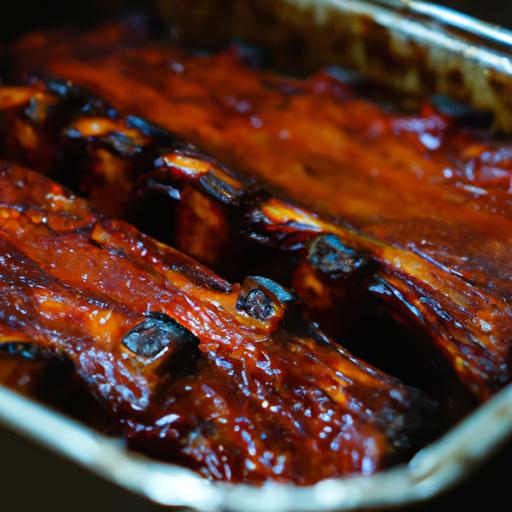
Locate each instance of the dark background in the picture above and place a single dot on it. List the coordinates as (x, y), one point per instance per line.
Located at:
(28, 13)
(31, 479)
(495, 11)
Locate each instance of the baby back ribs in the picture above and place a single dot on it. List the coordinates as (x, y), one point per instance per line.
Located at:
(427, 202)
(230, 380)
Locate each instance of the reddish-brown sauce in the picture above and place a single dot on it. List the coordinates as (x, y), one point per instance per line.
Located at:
(411, 209)
(230, 381)
(429, 197)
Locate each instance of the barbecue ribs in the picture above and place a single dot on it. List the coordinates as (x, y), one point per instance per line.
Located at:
(421, 226)
(231, 380)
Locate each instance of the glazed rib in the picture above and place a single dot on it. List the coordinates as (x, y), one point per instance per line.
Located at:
(229, 380)
(438, 256)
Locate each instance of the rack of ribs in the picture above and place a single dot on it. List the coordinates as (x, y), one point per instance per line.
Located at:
(231, 380)
(411, 209)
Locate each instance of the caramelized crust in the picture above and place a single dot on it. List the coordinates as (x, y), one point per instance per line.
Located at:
(230, 380)
(427, 201)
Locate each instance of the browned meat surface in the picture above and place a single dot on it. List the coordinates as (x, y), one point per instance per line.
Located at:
(356, 206)
(411, 209)
(230, 380)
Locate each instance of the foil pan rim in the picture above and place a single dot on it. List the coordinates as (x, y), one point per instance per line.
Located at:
(432, 470)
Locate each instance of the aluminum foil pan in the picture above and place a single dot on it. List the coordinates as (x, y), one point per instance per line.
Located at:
(413, 47)
(427, 47)
(430, 472)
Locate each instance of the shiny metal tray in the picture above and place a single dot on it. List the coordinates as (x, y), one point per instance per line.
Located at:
(463, 58)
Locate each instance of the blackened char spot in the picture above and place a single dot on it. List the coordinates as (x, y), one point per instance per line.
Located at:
(145, 127)
(121, 145)
(261, 297)
(160, 331)
(220, 190)
(256, 304)
(279, 294)
(328, 255)
(201, 277)
(65, 88)
(78, 98)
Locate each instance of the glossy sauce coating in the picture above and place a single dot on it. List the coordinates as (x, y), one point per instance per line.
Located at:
(235, 396)
(426, 198)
